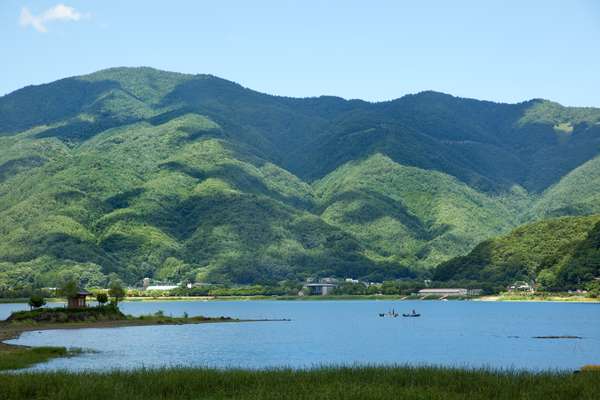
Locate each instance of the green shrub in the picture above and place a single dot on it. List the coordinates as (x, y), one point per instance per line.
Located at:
(102, 298)
(36, 301)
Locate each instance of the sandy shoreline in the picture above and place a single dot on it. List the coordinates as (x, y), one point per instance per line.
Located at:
(550, 299)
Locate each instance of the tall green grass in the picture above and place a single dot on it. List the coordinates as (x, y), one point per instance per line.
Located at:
(323, 383)
(25, 357)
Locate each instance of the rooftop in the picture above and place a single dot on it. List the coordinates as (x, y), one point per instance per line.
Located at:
(320, 284)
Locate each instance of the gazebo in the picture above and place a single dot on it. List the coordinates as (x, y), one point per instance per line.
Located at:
(78, 299)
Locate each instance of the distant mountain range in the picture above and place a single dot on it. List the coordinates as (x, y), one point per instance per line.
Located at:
(141, 172)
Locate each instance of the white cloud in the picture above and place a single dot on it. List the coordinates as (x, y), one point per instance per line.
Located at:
(59, 12)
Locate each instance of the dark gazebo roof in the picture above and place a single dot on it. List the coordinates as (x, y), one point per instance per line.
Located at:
(83, 293)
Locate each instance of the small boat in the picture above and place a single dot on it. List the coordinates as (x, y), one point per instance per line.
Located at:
(412, 314)
(391, 313)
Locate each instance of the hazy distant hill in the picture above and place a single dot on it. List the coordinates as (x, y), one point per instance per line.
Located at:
(150, 173)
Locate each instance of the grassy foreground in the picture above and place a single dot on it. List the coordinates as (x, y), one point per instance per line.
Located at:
(13, 357)
(324, 383)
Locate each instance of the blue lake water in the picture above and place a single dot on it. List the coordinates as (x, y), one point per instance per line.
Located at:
(452, 333)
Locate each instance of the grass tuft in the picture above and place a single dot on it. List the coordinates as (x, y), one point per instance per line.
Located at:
(23, 357)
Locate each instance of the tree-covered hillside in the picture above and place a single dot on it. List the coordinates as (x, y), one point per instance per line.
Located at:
(143, 172)
(576, 194)
(410, 215)
(559, 254)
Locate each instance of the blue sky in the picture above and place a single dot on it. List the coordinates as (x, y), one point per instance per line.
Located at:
(505, 51)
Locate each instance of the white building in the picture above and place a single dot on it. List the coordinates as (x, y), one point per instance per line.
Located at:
(443, 292)
(449, 292)
(162, 287)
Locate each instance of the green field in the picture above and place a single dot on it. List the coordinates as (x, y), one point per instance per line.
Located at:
(324, 383)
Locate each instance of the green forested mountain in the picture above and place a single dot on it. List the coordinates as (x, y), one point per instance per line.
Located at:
(562, 253)
(576, 194)
(410, 215)
(143, 172)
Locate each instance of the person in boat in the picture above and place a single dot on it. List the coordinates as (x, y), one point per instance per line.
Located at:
(414, 312)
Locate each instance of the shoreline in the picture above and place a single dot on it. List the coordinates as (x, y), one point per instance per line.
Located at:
(532, 299)
(10, 331)
(491, 298)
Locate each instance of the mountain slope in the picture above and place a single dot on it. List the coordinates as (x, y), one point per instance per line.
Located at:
(413, 216)
(576, 194)
(561, 253)
(143, 172)
(134, 197)
(486, 145)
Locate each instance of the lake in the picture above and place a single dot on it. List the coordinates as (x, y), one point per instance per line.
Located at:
(451, 333)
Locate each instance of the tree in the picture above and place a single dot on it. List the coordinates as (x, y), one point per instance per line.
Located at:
(116, 291)
(36, 301)
(102, 298)
(594, 289)
(68, 289)
(351, 288)
(546, 279)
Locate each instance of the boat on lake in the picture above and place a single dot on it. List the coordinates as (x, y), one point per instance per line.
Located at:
(412, 314)
(391, 313)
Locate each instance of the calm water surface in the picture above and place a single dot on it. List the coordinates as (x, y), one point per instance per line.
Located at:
(452, 333)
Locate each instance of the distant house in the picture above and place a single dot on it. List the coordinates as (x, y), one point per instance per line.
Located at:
(320, 289)
(328, 280)
(78, 299)
(521, 286)
(443, 292)
(450, 292)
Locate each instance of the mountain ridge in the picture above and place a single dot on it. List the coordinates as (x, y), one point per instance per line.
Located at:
(146, 173)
